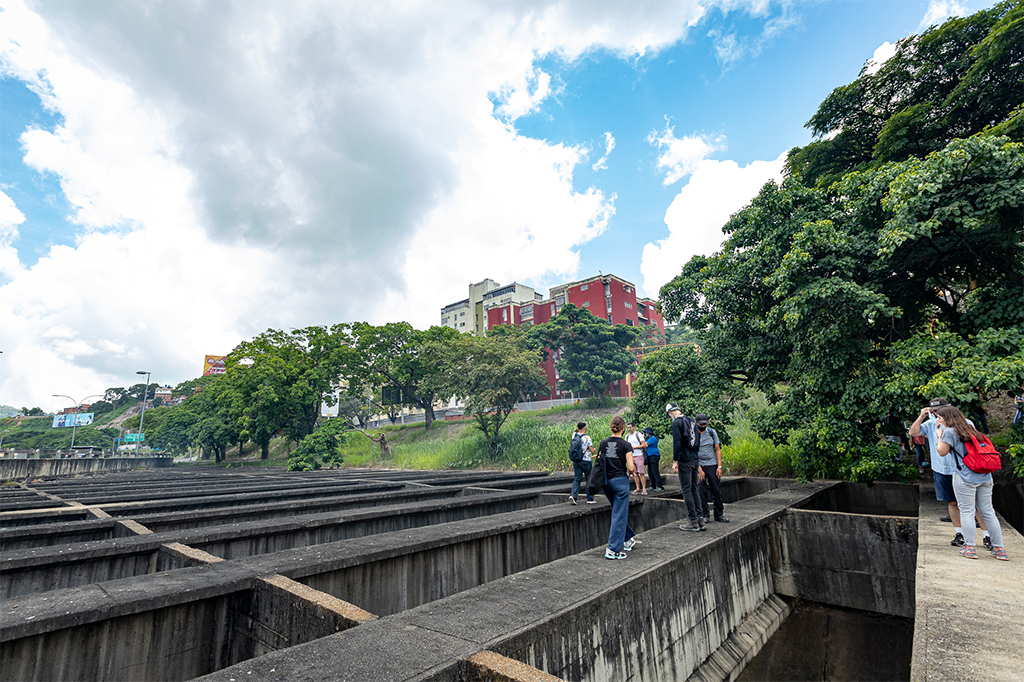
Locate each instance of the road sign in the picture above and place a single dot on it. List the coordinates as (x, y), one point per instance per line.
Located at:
(134, 437)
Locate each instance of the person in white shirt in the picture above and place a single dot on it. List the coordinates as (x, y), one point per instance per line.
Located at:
(582, 468)
(639, 445)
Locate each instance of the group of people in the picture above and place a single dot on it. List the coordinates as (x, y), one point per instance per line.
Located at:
(967, 493)
(627, 455)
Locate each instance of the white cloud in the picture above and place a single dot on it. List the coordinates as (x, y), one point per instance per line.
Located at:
(940, 10)
(239, 166)
(680, 156)
(882, 54)
(10, 218)
(716, 190)
(609, 145)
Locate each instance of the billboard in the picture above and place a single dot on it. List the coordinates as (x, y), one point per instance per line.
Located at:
(213, 364)
(66, 421)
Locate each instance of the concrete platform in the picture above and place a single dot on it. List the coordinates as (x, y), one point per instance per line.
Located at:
(969, 622)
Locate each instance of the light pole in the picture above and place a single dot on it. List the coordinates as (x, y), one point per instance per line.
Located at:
(74, 421)
(145, 394)
(2, 436)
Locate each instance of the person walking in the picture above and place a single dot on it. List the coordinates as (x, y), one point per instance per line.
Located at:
(581, 467)
(971, 488)
(653, 459)
(709, 457)
(615, 455)
(639, 445)
(685, 444)
(942, 470)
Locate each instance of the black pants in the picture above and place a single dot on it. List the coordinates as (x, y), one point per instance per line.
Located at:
(654, 474)
(688, 485)
(713, 485)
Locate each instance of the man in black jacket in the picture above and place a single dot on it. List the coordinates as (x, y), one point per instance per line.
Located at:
(685, 444)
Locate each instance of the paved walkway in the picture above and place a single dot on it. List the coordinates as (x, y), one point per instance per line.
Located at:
(969, 623)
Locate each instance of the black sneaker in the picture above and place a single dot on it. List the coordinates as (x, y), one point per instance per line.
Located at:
(721, 519)
(958, 540)
(988, 543)
(946, 519)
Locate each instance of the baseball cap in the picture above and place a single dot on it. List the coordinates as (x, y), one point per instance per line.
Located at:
(701, 419)
(671, 407)
(938, 402)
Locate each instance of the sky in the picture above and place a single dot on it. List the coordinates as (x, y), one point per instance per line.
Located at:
(177, 177)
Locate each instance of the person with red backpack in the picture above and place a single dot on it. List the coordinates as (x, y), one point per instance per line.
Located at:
(974, 459)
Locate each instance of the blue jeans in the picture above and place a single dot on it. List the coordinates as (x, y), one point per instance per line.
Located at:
(617, 492)
(582, 471)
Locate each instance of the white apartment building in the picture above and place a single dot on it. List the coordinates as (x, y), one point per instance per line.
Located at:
(470, 314)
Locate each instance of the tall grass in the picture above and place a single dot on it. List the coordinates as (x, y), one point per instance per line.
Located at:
(750, 454)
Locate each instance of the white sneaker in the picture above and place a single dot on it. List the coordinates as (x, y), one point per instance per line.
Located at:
(629, 545)
(572, 499)
(591, 501)
(609, 554)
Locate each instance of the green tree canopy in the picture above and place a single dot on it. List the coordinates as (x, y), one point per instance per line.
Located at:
(589, 352)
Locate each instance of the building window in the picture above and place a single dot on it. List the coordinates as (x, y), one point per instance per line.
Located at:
(627, 289)
(629, 305)
(526, 311)
(504, 315)
(586, 304)
(552, 308)
(462, 314)
(463, 324)
(560, 300)
(629, 323)
(584, 287)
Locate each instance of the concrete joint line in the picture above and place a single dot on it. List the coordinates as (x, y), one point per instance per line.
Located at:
(132, 527)
(99, 514)
(316, 599)
(186, 552)
(493, 667)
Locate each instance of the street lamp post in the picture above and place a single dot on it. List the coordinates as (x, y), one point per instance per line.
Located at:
(145, 394)
(2, 436)
(74, 422)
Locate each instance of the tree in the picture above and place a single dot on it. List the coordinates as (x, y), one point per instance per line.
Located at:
(698, 383)
(101, 407)
(320, 447)
(589, 352)
(32, 411)
(393, 355)
(952, 81)
(279, 380)
(491, 374)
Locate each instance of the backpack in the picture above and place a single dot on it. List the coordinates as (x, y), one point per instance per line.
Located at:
(691, 434)
(576, 448)
(981, 457)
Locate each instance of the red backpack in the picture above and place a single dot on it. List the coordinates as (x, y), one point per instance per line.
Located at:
(981, 457)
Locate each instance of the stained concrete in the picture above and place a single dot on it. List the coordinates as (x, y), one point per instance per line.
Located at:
(20, 469)
(969, 622)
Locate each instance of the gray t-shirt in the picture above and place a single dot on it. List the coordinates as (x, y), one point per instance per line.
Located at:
(708, 441)
(956, 456)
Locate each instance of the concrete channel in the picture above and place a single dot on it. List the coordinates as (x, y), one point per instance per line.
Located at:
(388, 575)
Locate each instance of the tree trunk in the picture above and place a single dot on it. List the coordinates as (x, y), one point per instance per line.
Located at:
(241, 451)
(428, 414)
(265, 449)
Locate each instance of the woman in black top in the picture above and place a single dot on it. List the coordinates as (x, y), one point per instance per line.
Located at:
(616, 454)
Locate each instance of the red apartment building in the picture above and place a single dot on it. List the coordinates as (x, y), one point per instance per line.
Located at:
(605, 296)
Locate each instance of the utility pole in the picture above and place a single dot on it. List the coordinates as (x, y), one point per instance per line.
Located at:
(145, 394)
(74, 421)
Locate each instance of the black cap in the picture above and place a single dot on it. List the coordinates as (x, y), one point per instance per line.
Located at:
(701, 419)
(938, 402)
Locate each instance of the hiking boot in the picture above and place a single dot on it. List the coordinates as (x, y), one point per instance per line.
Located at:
(629, 545)
(572, 499)
(987, 541)
(958, 540)
(693, 526)
(609, 554)
(721, 519)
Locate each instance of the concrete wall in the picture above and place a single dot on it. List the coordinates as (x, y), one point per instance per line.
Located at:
(855, 561)
(14, 469)
(883, 499)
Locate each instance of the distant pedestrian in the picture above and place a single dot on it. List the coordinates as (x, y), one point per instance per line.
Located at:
(653, 459)
(616, 456)
(685, 445)
(581, 467)
(639, 445)
(971, 488)
(709, 455)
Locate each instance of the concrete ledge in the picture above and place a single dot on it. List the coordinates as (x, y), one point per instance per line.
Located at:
(969, 623)
(488, 666)
(12, 469)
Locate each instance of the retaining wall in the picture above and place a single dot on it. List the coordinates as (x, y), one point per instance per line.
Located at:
(14, 469)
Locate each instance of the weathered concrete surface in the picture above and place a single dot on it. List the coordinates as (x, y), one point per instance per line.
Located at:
(740, 647)
(488, 666)
(819, 642)
(657, 615)
(886, 499)
(970, 613)
(14, 469)
(855, 561)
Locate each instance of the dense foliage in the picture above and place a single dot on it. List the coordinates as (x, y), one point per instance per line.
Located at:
(887, 268)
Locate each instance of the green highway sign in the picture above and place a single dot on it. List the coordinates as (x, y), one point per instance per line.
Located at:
(134, 437)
